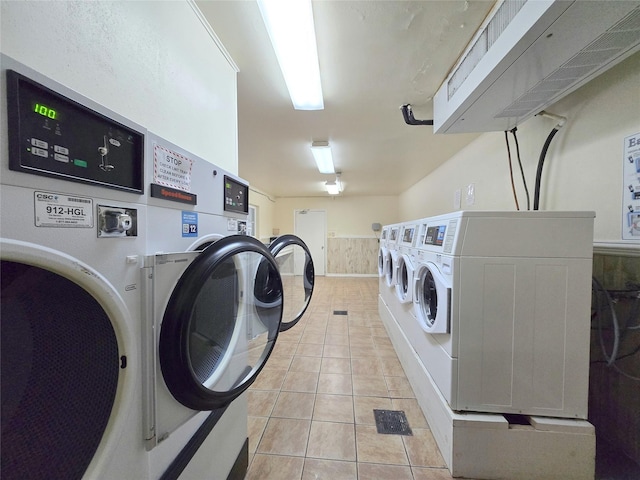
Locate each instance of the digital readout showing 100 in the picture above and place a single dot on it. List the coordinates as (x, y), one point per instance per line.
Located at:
(45, 111)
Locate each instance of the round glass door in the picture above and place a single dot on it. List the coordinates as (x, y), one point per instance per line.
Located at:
(295, 266)
(429, 298)
(221, 323)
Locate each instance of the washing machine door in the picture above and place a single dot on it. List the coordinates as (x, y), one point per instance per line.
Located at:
(392, 263)
(295, 266)
(67, 388)
(382, 261)
(404, 284)
(432, 300)
(221, 323)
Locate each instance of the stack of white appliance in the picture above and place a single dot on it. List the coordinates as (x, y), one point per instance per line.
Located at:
(497, 334)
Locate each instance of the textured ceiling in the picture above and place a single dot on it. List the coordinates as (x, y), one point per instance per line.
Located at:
(374, 56)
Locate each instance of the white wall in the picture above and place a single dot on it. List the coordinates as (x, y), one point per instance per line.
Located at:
(265, 205)
(346, 216)
(583, 167)
(155, 63)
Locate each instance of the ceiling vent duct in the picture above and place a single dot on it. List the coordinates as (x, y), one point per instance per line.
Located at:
(527, 55)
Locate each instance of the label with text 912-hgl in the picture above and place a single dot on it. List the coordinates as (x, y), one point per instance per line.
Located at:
(61, 210)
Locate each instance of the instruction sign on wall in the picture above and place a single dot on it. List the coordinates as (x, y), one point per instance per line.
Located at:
(631, 188)
(171, 169)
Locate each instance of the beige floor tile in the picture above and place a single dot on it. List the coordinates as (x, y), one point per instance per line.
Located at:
(366, 366)
(285, 436)
(420, 473)
(335, 383)
(315, 469)
(361, 341)
(341, 329)
(332, 339)
(369, 385)
(300, 382)
(305, 364)
(291, 335)
(412, 410)
(386, 351)
(279, 362)
(333, 408)
(364, 407)
(336, 365)
(261, 402)
(310, 349)
(284, 349)
(379, 332)
(311, 338)
(357, 320)
(269, 379)
(399, 387)
(372, 471)
(358, 351)
(392, 367)
(333, 441)
(275, 467)
(294, 405)
(422, 449)
(377, 448)
(336, 351)
(256, 427)
(359, 331)
(382, 341)
(316, 326)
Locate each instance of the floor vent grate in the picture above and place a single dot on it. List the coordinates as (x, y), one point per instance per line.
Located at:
(392, 422)
(340, 312)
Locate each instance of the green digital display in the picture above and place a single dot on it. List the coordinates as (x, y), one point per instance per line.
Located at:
(45, 111)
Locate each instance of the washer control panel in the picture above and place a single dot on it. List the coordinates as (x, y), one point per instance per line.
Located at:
(50, 134)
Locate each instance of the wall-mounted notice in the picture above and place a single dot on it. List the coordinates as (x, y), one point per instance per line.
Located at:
(170, 169)
(631, 188)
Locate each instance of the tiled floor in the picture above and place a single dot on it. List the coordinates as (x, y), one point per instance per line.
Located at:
(311, 410)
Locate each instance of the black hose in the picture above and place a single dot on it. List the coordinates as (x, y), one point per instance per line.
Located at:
(409, 119)
(524, 180)
(543, 153)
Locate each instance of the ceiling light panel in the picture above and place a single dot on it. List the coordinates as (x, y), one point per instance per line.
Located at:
(292, 33)
(323, 157)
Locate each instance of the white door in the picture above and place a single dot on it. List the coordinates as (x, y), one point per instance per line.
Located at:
(311, 227)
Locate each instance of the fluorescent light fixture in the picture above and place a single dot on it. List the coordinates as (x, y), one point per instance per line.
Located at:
(322, 155)
(335, 187)
(292, 33)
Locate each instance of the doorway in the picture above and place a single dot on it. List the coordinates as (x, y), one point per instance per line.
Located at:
(311, 227)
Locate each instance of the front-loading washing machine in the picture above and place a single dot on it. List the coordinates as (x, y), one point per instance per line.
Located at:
(72, 180)
(387, 257)
(405, 264)
(501, 310)
(214, 302)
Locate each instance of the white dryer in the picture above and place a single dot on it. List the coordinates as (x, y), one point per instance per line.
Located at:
(214, 302)
(71, 174)
(501, 309)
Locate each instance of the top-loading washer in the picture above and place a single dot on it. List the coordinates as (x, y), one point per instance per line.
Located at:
(214, 302)
(71, 173)
(501, 310)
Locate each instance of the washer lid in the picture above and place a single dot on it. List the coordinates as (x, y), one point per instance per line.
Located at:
(297, 272)
(221, 323)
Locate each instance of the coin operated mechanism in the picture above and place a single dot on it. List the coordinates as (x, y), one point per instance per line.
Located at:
(117, 222)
